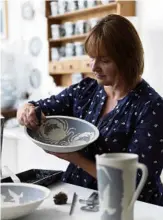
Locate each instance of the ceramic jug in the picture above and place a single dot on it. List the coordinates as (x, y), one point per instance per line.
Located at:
(116, 176)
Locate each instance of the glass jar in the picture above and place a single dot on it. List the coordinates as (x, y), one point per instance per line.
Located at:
(55, 31)
(54, 8)
(62, 51)
(82, 4)
(69, 28)
(81, 27)
(79, 48)
(8, 91)
(69, 49)
(91, 3)
(55, 53)
(73, 5)
(93, 22)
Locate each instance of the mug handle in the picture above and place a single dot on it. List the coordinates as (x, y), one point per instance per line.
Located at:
(141, 184)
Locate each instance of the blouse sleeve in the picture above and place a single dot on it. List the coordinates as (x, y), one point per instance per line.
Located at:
(147, 142)
(58, 104)
(65, 102)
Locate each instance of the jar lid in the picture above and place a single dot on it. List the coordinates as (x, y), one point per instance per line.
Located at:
(78, 43)
(69, 44)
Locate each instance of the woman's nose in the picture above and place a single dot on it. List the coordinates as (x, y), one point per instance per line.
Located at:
(94, 65)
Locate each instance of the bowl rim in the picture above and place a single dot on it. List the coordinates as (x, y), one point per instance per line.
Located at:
(97, 133)
(28, 185)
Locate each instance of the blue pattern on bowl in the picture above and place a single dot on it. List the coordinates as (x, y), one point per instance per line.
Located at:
(65, 131)
(20, 199)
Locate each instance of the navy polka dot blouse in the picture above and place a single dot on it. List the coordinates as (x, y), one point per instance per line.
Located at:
(135, 125)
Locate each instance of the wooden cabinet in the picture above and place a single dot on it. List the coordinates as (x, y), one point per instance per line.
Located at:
(62, 69)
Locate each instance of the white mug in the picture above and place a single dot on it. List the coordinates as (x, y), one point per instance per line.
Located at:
(116, 177)
(69, 28)
(55, 31)
(54, 8)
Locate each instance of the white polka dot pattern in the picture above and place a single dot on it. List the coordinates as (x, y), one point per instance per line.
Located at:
(135, 125)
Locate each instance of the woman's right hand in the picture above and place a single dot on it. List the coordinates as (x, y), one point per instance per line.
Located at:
(26, 116)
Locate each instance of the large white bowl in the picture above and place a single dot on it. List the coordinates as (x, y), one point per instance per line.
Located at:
(20, 199)
(63, 134)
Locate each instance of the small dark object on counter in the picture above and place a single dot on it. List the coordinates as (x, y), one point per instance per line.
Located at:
(60, 198)
(74, 199)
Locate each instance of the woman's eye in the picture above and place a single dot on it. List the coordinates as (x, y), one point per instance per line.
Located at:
(105, 60)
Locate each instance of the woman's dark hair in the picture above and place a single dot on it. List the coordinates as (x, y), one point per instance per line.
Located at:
(116, 37)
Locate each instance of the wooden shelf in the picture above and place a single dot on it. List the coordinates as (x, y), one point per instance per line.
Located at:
(80, 37)
(69, 66)
(125, 8)
(63, 70)
(85, 11)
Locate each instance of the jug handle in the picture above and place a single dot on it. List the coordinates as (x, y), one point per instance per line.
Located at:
(141, 184)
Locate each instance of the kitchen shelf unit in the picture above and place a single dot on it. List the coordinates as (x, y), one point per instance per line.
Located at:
(62, 70)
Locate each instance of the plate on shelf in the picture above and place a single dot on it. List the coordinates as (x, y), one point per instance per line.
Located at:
(27, 10)
(35, 46)
(35, 78)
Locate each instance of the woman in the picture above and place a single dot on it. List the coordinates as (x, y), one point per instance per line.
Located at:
(126, 110)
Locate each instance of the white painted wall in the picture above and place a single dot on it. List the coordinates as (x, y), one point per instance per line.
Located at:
(150, 18)
(20, 32)
(18, 152)
(14, 29)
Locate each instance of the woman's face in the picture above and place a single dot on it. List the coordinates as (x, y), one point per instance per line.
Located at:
(105, 71)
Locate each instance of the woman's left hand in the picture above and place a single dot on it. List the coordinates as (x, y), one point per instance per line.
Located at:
(77, 159)
(73, 157)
